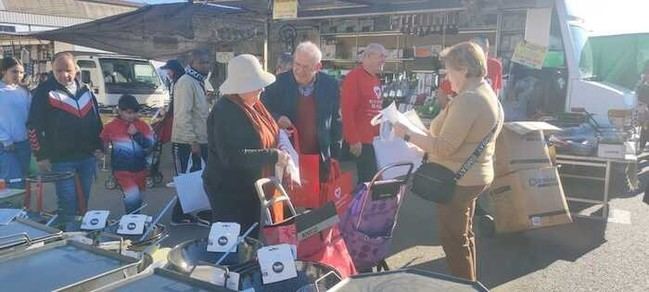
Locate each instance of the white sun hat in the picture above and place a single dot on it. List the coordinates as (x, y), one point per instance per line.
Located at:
(245, 75)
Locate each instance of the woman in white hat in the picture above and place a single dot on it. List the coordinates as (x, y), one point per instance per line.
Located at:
(242, 144)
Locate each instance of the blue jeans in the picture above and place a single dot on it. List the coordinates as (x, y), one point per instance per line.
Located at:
(66, 191)
(15, 164)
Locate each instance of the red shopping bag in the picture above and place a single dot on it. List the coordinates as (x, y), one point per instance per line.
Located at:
(306, 194)
(317, 237)
(163, 127)
(338, 188)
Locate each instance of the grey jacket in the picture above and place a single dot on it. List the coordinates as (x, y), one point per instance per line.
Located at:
(190, 112)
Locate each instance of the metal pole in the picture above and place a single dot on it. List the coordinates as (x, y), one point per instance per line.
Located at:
(157, 219)
(269, 16)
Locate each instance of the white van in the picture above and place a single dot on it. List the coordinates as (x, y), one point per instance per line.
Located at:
(111, 76)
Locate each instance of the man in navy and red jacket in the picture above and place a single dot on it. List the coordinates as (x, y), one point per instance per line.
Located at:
(309, 101)
(64, 127)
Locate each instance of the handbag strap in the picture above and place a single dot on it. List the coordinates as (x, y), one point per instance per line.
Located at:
(481, 147)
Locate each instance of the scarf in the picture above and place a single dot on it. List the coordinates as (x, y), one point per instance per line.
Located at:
(261, 120)
(198, 76)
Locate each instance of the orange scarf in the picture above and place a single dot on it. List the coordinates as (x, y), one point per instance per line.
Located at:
(261, 120)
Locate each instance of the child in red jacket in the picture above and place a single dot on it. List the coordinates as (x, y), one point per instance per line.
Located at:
(132, 140)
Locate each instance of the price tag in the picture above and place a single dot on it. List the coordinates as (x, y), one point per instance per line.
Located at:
(95, 220)
(223, 237)
(277, 263)
(132, 224)
(217, 276)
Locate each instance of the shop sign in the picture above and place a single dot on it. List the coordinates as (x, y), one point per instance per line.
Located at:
(530, 54)
(285, 9)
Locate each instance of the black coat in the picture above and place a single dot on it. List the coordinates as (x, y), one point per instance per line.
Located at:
(63, 126)
(281, 99)
(235, 158)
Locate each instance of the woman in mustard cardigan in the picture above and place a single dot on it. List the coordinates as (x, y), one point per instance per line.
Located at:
(453, 135)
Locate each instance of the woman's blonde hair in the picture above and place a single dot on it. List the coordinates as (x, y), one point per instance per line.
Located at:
(466, 55)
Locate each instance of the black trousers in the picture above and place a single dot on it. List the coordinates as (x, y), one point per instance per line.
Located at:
(244, 210)
(366, 164)
(181, 154)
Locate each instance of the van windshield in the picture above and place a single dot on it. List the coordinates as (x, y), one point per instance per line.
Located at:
(123, 76)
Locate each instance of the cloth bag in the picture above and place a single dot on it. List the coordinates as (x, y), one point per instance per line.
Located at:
(370, 221)
(389, 149)
(338, 188)
(189, 187)
(306, 194)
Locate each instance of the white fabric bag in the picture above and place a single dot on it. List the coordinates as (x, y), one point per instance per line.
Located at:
(189, 187)
(390, 149)
(292, 169)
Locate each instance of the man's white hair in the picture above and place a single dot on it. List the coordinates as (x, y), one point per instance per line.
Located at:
(310, 49)
(371, 49)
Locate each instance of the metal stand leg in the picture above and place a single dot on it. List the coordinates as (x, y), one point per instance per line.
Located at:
(382, 266)
(607, 180)
(39, 196)
(81, 199)
(27, 201)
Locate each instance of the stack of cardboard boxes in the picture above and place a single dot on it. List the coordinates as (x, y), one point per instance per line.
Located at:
(527, 192)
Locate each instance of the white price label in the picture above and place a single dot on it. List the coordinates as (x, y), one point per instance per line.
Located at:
(277, 263)
(223, 237)
(95, 220)
(132, 224)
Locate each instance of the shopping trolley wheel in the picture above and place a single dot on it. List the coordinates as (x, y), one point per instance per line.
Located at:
(150, 182)
(486, 225)
(157, 178)
(110, 184)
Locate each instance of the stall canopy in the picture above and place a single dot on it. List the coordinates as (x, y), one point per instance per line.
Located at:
(162, 31)
(321, 9)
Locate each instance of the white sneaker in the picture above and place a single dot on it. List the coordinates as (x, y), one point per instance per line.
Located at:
(171, 185)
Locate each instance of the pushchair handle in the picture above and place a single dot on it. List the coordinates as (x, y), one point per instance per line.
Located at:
(402, 179)
(267, 203)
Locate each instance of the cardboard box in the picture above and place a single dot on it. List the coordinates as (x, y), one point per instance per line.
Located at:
(521, 145)
(529, 199)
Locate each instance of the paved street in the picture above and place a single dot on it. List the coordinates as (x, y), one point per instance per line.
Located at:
(589, 255)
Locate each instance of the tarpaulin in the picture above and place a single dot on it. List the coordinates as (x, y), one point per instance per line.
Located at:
(165, 30)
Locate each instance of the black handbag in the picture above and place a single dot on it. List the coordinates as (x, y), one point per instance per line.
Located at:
(435, 182)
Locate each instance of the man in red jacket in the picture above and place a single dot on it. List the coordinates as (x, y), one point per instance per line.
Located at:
(361, 101)
(494, 67)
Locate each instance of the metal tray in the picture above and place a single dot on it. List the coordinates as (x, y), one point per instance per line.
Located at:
(63, 266)
(410, 280)
(35, 231)
(161, 280)
(311, 276)
(184, 256)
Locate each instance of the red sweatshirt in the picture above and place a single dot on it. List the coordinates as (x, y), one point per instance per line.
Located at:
(361, 101)
(495, 74)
